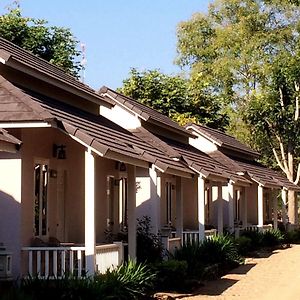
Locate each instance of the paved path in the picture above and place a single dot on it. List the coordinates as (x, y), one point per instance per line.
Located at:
(269, 278)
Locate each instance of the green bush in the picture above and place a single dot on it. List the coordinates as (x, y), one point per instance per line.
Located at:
(218, 250)
(292, 237)
(129, 281)
(149, 246)
(256, 238)
(272, 238)
(171, 275)
(244, 245)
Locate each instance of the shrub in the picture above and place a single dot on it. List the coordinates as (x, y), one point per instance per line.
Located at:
(256, 238)
(149, 246)
(292, 237)
(171, 274)
(244, 245)
(218, 250)
(129, 281)
(272, 237)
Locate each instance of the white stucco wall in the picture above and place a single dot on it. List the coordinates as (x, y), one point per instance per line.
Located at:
(120, 116)
(203, 144)
(10, 206)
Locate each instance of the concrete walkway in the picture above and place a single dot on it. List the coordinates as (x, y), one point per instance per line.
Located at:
(274, 277)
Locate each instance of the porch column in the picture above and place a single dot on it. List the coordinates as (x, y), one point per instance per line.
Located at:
(155, 194)
(220, 209)
(260, 206)
(201, 207)
(245, 208)
(179, 207)
(230, 206)
(275, 211)
(284, 201)
(90, 212)
(131, 212)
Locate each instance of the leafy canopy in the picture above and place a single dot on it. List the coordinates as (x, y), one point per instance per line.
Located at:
(54, 44)
(174, 96)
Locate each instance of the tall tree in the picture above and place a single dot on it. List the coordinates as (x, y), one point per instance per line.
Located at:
(175, 97)
(248, 51)
(54, 44)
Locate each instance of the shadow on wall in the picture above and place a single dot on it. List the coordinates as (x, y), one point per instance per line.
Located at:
(10, 226)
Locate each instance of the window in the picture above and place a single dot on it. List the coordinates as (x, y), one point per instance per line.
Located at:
(169, 203)
(110, 183)
(237, 196)
(41, 173)
(207, 205)
(123, 200)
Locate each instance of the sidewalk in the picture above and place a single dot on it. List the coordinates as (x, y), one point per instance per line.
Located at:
(273, 277)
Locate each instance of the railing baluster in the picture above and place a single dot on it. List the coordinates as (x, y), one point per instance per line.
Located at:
(55, 263)
(79, 262)
(63, 262)
(38, 264)
(30, 263)
(47, 263)
(71, 262)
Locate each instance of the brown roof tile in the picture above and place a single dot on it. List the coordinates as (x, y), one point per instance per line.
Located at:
(6, 137)
(145, 112)
(222, 139)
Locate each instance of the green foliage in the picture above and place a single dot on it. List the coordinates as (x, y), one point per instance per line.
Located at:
(149, 246)
(292, 237)
(175, 97)
(171, 275)
(129, 281)
(54, 44)
(246, 54)
(244, 245)
(218, 250)
(272, 238)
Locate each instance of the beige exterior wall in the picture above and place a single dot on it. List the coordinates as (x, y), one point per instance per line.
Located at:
(252, 203)
(10, 206)
(203, 144)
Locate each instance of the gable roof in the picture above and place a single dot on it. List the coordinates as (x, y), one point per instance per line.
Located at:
(256, 171)
(20, 59)
(8, 138)
(106, 137)
(222, 139)
(196, 160)
(146, 113)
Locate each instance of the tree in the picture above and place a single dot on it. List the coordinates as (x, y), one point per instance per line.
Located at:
(248, 51)
(54, 44)
(173, 96)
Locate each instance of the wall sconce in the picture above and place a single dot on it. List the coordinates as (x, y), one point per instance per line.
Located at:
(59, 151)
(120, 166)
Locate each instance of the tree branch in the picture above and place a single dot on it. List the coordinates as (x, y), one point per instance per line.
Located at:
(298, 175)
(297, 101)
(281, 99)
(279, 162)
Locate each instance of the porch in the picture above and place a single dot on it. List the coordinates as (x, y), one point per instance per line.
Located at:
(57, 262)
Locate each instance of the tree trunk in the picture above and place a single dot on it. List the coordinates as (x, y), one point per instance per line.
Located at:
(292, 199)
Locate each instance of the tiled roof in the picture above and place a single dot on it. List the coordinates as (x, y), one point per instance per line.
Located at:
(222, 139)
(145, 112)
(95, 131)
(8, 138)
(256, 171)
(13, 53)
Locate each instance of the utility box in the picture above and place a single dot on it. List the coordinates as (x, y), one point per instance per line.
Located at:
(5, 264)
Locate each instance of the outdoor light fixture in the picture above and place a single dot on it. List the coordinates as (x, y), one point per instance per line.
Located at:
(59, 151)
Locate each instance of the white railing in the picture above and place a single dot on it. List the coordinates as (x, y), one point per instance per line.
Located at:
(263, 228)
(173, 244)
(109, 256)
(193, 235)
(55, 262)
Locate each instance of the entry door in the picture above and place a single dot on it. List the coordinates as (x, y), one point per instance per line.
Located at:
(170, 211)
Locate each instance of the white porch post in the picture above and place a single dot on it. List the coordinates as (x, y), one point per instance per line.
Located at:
(275, 211)
(131, 212)
(90, 212)
(155, 193)
(230, 205)
(284, 201)
(220, 209)
(245, 207)
(260, 206)
(179, 207)
(201, 207)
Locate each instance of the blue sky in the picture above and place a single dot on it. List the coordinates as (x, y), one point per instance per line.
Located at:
(119, 34)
